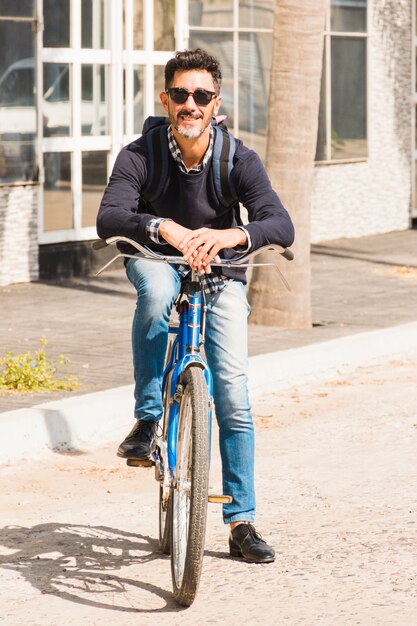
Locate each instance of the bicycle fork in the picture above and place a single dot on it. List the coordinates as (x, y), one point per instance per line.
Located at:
(190, 339)
(192, 313)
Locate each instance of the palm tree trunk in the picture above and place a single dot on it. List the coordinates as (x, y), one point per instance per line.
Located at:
(292, 135)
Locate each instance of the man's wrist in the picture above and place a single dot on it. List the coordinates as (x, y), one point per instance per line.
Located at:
(153, 228)
(247, 243)
(162, 230)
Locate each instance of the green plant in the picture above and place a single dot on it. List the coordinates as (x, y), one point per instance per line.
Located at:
(34, 373)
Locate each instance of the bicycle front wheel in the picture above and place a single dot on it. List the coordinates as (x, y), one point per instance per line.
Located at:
(190, 491)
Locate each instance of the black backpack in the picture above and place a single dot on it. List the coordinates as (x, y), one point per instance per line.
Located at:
(155, 131)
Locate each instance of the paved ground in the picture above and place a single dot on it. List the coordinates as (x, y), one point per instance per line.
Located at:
(358, 285)
(336, 478)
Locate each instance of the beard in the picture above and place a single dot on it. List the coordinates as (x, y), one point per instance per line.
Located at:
(189, 133)
(186, 131)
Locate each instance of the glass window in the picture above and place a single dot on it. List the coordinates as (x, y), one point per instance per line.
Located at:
(11, 8)
(242, 30)
(164, 25)
(346, 120)
(56, 32)
(56, 107)
(17, 102)
(57, 191)
(222, 46)
(256, 13)
(210, 13)
(17, 85)
(348, 16)
(93, 24)
(159, 83)
(254, 70)
(137, 24)
(94, 179)
(415, 53)
(415, 128)
(415, 185)
(321, 149)
(93, 105)
(348, 96)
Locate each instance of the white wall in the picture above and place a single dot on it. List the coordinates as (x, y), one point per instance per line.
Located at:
(18, 234)
(352, 200)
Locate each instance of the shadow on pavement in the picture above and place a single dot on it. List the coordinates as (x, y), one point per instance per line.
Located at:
(91, 287)
(73, 562)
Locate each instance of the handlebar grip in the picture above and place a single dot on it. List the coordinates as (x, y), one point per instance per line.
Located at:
(99, 244)
(288, 254)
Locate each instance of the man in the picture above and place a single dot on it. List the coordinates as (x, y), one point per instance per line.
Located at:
(189, 220)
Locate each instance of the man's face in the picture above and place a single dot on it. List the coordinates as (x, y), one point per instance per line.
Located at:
(190, 120)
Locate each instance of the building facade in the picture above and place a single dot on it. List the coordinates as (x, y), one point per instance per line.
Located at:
(78, 77)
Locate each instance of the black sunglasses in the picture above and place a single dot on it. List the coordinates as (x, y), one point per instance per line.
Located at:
(202, 97)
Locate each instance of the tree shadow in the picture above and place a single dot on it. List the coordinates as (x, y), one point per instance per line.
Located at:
(74, 563)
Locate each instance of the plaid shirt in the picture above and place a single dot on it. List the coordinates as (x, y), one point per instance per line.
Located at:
(177, 156)
(212, 283)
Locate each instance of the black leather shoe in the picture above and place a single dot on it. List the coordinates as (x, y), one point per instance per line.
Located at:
(245, 542)
(138, 444)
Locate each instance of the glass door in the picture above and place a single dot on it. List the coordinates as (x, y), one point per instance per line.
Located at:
(102, 74)
(76, 115)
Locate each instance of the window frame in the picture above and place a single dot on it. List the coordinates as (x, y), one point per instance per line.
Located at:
(328, 35)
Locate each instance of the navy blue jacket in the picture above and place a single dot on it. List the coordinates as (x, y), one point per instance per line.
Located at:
(191, 200)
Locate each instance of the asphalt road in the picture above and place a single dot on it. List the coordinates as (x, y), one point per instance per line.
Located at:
(336, 478)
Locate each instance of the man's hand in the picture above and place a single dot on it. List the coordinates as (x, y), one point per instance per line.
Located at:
(173, 233)
(200, 247)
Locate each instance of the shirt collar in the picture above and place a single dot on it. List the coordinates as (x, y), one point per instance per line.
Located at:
(177, 156)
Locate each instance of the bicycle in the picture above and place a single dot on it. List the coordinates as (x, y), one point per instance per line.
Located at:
(181, 453)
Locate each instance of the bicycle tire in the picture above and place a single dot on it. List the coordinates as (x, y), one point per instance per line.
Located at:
(189, 495)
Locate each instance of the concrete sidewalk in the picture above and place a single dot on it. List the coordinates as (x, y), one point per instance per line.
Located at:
(364, 307)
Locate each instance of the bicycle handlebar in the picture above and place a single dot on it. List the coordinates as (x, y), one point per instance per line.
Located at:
(150, 254)
(240, 261)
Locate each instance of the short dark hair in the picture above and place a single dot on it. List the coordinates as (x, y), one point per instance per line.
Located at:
(197, 59)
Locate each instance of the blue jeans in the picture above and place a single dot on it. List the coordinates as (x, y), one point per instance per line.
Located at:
(157, 286)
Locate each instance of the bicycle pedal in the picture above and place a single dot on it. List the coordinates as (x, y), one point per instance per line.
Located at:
(140, 463)
(219, 498)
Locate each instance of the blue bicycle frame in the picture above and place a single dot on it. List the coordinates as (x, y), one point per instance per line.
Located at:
(189, 337)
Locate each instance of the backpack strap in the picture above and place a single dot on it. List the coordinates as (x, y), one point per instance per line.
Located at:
(152, 121)
(222, 164)
(224, 147)
(158, 162)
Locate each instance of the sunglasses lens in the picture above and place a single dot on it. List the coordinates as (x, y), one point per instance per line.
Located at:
(178, 95)
(201, 96)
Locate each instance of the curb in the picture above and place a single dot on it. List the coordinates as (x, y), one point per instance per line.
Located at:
(77, 424)
(280, 370)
